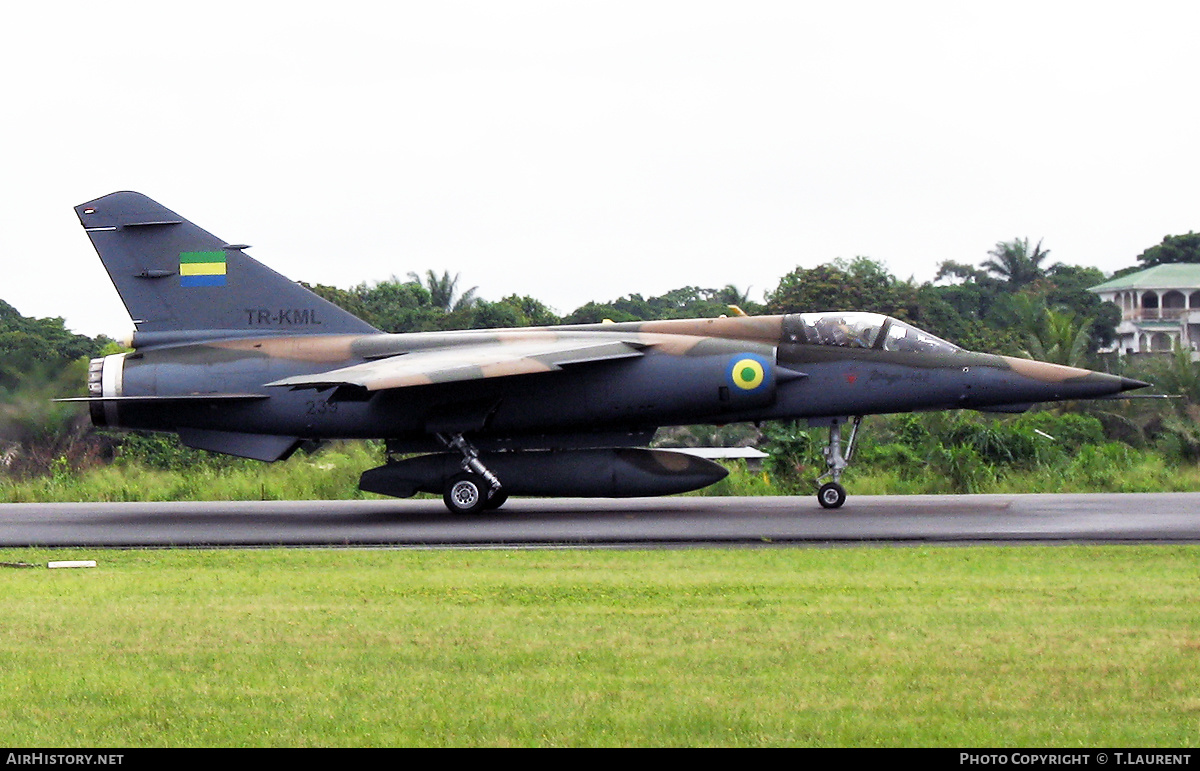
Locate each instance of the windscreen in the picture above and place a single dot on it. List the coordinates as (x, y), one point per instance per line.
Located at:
(902, 337)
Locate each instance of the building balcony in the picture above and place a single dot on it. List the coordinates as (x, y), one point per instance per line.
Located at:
(1191, 315)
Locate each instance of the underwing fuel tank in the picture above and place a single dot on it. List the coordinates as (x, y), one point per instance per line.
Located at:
(621, 472)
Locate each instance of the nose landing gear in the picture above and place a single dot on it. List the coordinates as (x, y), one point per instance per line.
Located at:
(832, 495)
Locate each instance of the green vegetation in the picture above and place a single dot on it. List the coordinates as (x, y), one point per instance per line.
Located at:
(980, 647)
(1183, 248)
(157, 468)
(37, 344)
(961, 452)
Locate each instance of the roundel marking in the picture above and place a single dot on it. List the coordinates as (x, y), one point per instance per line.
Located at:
(748, 373)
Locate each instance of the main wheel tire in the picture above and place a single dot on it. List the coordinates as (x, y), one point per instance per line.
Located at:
(466, 493)
(497, 499)
(831, 495)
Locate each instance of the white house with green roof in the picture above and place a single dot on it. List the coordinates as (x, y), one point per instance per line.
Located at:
(1160, 307)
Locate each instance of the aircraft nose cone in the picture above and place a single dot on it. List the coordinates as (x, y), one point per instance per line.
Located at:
(1128, 384)
(1044, 381)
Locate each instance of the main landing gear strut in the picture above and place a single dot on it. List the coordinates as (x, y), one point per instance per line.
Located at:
(832, 495)
(475, 488)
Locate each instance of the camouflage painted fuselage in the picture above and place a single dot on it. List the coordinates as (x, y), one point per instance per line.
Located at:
(646, 375)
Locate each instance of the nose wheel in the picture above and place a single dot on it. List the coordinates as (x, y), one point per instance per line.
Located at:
(832, 495)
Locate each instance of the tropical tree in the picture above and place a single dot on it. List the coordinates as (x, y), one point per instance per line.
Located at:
(1066, 287)
(1009, 293)
(1014, 264)
(393, 306)
(1185, 248)
(1177, 375)
(731, 295)
(27, 343)
(861, 285)
(443, 291)
(963, 272)
(512, 311)
(957, 313)
(594, 313)
(688, 302)
(1061, 338)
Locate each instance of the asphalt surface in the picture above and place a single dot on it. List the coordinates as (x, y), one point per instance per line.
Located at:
(1100, 518)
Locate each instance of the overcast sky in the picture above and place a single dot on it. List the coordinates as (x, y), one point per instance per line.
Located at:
(581, 151)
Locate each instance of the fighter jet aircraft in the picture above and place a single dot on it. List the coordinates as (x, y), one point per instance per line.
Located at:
(237, 359)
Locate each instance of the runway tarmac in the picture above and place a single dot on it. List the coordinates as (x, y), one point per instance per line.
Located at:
(1098, 518)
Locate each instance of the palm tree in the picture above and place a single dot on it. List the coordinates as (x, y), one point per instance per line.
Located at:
(733, 297)
(1177, 375)
(442, 291)
(1013, 262)
(1062, 339)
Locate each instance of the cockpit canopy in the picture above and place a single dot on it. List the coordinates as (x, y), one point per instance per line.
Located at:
(864, 330)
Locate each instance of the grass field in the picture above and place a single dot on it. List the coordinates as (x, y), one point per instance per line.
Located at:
(957, 646)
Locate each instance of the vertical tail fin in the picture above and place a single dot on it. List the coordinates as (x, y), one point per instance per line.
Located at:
(179, 281)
